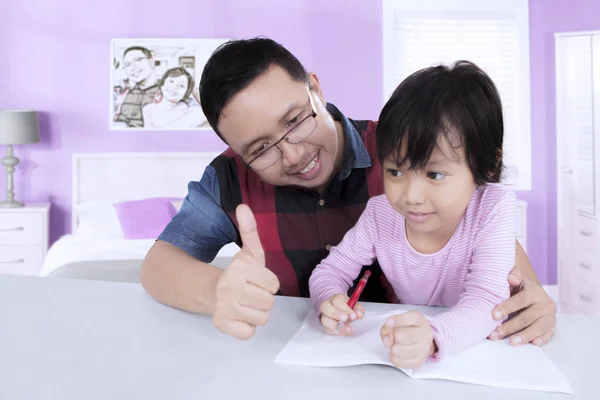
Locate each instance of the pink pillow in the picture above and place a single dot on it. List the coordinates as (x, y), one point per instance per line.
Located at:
(145, 219)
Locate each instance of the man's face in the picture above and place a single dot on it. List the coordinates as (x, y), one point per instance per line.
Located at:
(272, 105)
(137, 65)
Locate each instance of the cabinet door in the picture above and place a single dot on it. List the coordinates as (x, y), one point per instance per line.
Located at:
(596, 138)
(581, 109)
(574, 125)
(565, 211)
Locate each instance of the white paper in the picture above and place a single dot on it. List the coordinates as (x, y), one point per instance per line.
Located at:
(490, 363)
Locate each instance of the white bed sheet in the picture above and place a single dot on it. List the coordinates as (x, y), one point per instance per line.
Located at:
(71, 249)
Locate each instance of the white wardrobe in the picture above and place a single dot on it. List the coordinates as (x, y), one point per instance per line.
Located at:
(578, 175)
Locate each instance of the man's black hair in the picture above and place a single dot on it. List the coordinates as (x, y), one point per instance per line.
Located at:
(234, 65)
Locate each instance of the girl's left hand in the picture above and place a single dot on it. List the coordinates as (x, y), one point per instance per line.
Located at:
(409, 338)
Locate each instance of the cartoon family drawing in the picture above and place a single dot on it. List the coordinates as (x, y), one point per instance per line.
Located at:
(148, 101)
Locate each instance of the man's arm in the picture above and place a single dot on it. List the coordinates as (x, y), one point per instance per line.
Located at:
(174, 278)
(239, 298)
(523, 265)
(535, 318)
(176, 271)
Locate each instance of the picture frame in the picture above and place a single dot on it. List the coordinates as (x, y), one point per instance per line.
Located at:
(155, 83)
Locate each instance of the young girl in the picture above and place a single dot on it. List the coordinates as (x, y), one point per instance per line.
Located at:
(444, 232)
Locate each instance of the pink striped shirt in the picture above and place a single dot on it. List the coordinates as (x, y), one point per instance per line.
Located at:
(469, 274)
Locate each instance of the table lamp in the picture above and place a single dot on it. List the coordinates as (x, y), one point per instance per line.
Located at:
(16, 127)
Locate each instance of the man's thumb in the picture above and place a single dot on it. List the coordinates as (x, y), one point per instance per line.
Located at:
(515, 278)
(248, 231)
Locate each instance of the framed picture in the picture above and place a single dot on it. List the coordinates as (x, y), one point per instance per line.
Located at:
(154, 83)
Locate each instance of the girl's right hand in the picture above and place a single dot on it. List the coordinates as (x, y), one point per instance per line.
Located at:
(336, 309)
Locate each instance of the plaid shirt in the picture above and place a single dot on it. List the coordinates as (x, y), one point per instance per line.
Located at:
(297, 226)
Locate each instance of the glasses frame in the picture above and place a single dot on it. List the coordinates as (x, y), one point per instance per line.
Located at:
(313, 114)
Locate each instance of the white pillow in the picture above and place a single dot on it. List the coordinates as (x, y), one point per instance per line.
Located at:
(98, 219)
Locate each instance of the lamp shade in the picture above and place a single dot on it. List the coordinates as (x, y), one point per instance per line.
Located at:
(19, 127)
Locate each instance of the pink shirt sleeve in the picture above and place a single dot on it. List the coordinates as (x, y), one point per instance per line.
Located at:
(470, 320)
(338, 270)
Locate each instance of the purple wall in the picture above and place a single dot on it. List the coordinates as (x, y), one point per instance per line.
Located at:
(55, 58)
(547, 17)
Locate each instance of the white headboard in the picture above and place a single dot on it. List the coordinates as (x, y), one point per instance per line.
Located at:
(115, 177)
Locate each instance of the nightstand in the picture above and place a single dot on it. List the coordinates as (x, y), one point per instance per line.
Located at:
(24, 238)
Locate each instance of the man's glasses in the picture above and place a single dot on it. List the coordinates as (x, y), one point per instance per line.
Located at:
(300, 131)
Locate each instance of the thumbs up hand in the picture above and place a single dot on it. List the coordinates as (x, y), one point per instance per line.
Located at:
(245, 291)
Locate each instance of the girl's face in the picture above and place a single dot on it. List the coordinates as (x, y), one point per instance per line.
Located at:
(174, 88)
(433, 199)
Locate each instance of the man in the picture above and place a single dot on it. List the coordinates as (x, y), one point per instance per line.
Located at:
(295, 179)
(138, 64)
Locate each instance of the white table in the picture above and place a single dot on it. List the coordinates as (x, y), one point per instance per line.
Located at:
(74, 339)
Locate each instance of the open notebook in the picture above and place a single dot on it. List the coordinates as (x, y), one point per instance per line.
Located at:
(491, 363)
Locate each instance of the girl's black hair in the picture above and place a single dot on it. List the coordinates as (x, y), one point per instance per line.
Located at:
(439, 101)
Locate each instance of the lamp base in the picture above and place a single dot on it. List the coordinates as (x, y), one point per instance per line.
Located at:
(10, 161)
(11, 204)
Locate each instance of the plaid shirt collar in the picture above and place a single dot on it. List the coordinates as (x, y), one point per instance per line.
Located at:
(355, 151)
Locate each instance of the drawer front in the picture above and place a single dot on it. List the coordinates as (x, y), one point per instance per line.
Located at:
(567, 288)
(21, 260)
(587, 266)
(22, 228)
(587, 234)
(587, 298)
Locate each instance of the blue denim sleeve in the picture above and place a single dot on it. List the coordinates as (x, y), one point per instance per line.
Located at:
(201, 227)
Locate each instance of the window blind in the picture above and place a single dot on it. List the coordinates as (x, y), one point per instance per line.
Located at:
(429, 32)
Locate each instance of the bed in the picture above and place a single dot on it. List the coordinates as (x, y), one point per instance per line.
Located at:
(99, 246)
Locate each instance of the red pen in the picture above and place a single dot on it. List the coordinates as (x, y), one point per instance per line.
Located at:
(355, 295)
